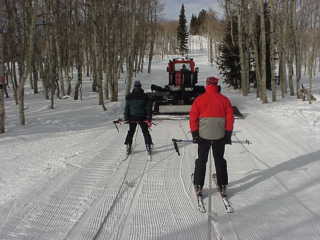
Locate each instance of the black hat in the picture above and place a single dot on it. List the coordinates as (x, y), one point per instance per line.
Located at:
(137, 83)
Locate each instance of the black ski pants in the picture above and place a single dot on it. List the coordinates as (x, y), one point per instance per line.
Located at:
(218, 147)
(132, 129)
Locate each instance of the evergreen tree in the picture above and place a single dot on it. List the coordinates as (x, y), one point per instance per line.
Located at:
(201, 21)
(182, 32)
(194, 25)
(229, 60)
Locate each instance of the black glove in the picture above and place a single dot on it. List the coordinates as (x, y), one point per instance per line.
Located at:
(227, 137)
(195, 136)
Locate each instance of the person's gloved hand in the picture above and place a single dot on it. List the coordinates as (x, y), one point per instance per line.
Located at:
(227, 137)
(195, 136)
(149, 123)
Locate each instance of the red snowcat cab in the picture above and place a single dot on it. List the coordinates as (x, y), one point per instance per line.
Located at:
(178, 95)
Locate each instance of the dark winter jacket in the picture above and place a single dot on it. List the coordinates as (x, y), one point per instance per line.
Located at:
(138, 106)
(211, 114)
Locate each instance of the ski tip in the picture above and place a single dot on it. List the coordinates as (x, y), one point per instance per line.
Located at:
(229, 210)
(202, 210)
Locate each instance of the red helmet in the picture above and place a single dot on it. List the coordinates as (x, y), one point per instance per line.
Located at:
(212, 81)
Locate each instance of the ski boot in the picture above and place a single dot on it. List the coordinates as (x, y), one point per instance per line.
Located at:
(129, 149)
(223, 190)
(149, 148)
(198, 190)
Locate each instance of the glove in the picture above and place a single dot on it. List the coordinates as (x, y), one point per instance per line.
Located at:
(195, 136)
(227, 137)
(149, 123)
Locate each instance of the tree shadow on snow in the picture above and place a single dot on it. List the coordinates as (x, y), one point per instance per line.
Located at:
(258, 177)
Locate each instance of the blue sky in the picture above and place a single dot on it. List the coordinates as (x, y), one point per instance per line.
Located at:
(172, 7)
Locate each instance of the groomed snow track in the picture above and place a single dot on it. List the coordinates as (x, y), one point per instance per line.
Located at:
(111, 197)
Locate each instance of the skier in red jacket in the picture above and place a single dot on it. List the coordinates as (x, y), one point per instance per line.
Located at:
(211, 124)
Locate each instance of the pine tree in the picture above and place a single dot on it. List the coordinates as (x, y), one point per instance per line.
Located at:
(194, 25)
(201, 21)
(229, 60)
(182, 32)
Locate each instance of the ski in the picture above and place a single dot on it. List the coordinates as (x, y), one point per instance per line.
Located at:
(226, 203)
(126, 157)
(225, 200)
(149, 156)
(200, 204)
(149, 152)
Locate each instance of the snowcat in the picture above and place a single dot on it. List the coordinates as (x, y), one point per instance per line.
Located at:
(178, 95)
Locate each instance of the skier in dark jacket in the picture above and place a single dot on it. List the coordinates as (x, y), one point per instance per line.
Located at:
(138, 110)
(211, 124)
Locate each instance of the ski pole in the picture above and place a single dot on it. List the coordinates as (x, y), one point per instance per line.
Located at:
(121, 121)
(242, 141)
(176, 141)
(118, 121)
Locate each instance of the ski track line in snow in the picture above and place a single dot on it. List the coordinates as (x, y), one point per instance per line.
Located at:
(32, 200)
(50, 216)
(212, 216)
(284, 187)
(129, 228)
(174, 189)
(132, 203)
(101, 219)
(101, 214)
(218, 235)
(160, 188)
(220, 200)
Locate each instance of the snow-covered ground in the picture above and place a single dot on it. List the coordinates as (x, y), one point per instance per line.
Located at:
(62, 176)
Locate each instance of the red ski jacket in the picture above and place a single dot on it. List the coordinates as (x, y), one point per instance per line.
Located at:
(212, 114)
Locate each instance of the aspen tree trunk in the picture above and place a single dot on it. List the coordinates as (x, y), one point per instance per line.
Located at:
(312, 55)
(298, 64)
(291, 48)
(290, 73)
(44, 77)
(242, 49)
(79, 55)
(263, 86)
(151, 51)
(211, 54)
(22, 79)
(2, 83)
(131, 47)
(254, 40)
(153, 37)
(273, 50)
(94, 53)
(99, 39)
(297, 49)
(25, 61)
(13, 79)
(311, 75)
(35, 75)
(77, 88)
(51, 70)
(283, 55)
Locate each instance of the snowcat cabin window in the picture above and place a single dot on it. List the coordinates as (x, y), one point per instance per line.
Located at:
(178, 66)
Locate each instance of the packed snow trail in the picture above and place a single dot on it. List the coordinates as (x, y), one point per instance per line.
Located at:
(63, 176)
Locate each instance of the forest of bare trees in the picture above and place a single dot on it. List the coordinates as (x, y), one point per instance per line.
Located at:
(279, 41)
(50, 46)
(44, 42)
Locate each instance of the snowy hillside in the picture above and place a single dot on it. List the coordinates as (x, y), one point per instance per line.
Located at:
(62, 176)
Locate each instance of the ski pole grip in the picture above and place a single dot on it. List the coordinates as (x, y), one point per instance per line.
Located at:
(174, 141)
